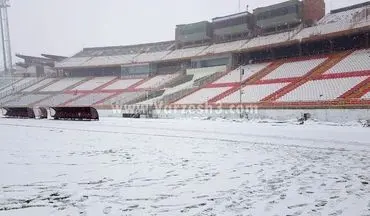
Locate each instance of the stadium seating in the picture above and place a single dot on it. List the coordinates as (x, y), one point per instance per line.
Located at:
(3, 100)
(93, 83)
(197, 73)
(322, 90)
(234, 76)
(336, 22)
(269, 40)
(39, 85)
(18, 85)
(338, 77)
(294, 69)
(364, 23)
(122, 84)
(252, 93)
(223, 47)
(150, 101)
(26, 100)
(123, 98)
(357, 61)
(206, 71)
(202, 96)
(57, 100)
(157, 81)
(366, 96)
(150, 57)
(63, 84)
(89, 99)
(185, 53)
(73, 62)
(323, 29)
(6, 81)
(354, 15)
(108, 60)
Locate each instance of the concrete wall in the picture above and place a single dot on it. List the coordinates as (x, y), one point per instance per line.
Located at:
(331, 115)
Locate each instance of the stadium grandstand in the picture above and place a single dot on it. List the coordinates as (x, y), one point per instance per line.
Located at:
(291, 55)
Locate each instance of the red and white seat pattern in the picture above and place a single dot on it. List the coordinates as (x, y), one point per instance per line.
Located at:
(157, 81)
(89, 99)
(322, 90)
(294, 69)
(122, 84)
(234, 76)
(202, 96)
(252, 93)
(57, 100)
(355, 62)
(123, 98)
(62, 84)
(93, 83)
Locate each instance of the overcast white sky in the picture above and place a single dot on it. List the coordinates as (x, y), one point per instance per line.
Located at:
(64, 27)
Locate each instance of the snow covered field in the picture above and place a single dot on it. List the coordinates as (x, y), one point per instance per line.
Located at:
(182, 167)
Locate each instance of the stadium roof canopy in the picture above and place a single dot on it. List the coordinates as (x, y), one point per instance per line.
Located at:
(126, 50)
(47, 59)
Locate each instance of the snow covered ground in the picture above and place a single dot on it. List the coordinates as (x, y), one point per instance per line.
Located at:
(182, 167)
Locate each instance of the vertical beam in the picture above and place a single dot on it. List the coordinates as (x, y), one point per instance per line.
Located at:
(7, 38)
(3, 39)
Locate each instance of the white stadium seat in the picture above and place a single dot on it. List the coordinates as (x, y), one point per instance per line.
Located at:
(198, 73)
(18, 85)
(357, 61)
(62, 84)
(205, 71)
(249, 70)
(294, 69)
(39, 84)
(73, 62)
(57, 100)
(322, 29)
(6, 81)
(89, 99)
(26, 100)
(223, 47)
(363, 23)
(335, 23)
(108, 60)
(322, 90)
(366, 96)
(354, 15)
(269, 39)
(122, 84)
(8, 98)
(123, 98)
(202, 96)
(94, 83)
(252, 93)
(157, 81)
(149, 57)
(184, 53)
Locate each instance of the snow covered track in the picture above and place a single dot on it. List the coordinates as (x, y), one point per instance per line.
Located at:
(182, 167)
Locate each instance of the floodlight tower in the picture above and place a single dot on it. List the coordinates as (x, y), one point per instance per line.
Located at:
(5, 37)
